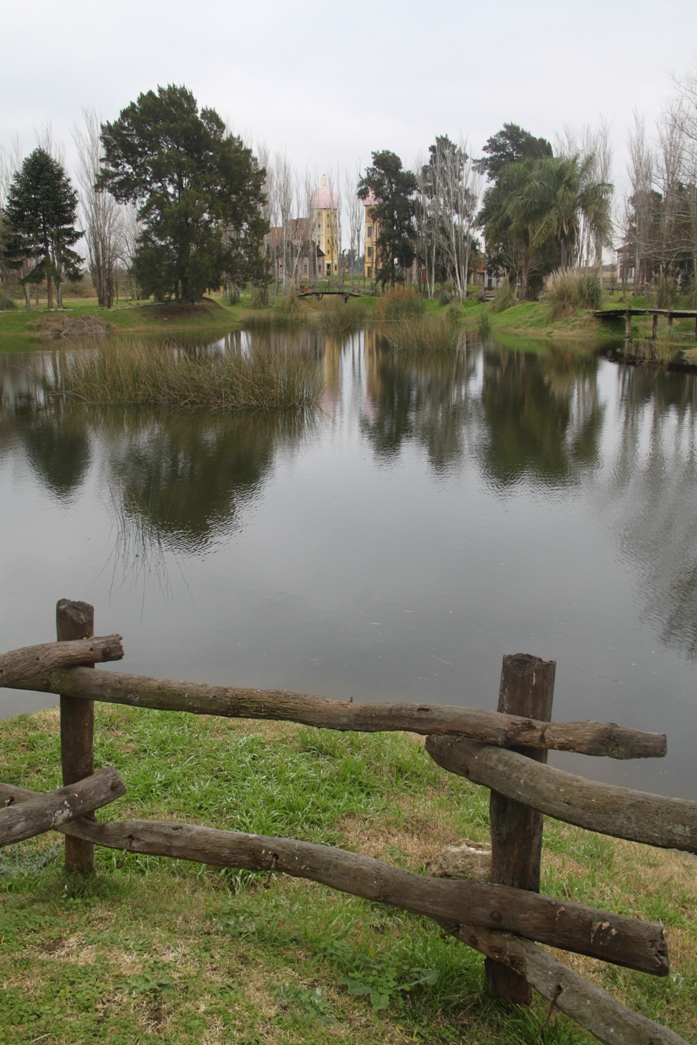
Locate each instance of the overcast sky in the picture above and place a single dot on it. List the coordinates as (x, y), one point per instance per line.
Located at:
(333, 82)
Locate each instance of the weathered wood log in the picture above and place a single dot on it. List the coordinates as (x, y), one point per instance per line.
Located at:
(668, 823)
(23, 665)
(48, 812)
(490, 727)
(574, 927)
(607, 1019)
(527, 688)
(75, 620)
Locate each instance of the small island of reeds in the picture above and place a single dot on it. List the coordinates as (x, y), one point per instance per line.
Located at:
(156, 374)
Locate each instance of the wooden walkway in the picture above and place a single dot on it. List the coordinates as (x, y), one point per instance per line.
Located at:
(609, 315)
(319, 294)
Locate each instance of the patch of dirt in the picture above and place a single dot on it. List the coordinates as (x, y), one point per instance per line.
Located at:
(74, 328)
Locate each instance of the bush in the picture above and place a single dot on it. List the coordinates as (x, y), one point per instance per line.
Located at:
(6, 302)
(505, 297)
(447, 293)
(399, 303)
(290, 305)
(590, 291)
(561, 296)
(232, 294)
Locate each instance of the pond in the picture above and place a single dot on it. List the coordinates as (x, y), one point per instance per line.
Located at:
(436, 513)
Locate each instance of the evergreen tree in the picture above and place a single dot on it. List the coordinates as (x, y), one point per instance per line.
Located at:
(40, 211)
(393, 190)
(199, 193)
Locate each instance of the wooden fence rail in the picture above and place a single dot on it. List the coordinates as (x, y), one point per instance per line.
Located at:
(668, 823)
(489, 727)
(505, 750)
(569, 926)
(49, 812)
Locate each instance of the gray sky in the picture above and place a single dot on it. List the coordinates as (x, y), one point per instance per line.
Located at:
(331, 83)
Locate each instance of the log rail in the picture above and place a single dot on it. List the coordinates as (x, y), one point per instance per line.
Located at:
(503, 750)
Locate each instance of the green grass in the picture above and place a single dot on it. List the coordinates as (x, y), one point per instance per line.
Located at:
(141, 373)
(155, 950)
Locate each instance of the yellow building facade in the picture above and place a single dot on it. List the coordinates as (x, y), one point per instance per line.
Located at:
(370, 238)
(324, 214)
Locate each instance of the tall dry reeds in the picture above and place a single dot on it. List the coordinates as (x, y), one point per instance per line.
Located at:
(426, 334)
(399, 303)
(342, 319)
(140, 373)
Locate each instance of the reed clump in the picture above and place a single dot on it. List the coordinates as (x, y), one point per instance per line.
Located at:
(138, 373)
(342, 319)
(399, 303)
(568, 291)
(505, 297)
(426, 334)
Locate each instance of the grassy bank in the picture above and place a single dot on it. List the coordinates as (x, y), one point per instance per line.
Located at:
(151, 950)
(141, 373)
(21, 330)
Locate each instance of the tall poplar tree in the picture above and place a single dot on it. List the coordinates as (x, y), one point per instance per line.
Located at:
(41, 210)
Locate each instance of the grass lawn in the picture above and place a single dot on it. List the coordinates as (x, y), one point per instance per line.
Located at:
(153, 950)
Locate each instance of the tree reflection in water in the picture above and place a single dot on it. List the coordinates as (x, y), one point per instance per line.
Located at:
(542, 417)
(652, 491)
(424, 398)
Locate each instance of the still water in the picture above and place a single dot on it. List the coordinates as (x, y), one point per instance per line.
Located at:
(437, 513)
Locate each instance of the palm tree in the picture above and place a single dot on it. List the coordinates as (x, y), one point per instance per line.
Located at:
(548, 197)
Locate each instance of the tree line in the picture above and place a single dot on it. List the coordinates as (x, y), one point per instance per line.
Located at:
(170, 193)
(658, 225)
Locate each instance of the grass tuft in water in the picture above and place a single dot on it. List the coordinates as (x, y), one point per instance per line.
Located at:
(426, 334)
(141, 373)
(339, 318)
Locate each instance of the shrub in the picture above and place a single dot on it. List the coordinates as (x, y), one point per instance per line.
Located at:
(232, 294)
(135, 372)
(290, 305)
(6, 302)
(561, 296)
(590, 291)
(447, 293)
(505, 297)
(399, 303)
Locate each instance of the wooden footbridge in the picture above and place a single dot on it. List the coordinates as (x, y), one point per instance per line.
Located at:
(319, 294)
(609, 315)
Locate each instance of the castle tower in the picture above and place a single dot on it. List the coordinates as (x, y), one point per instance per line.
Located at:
(371, 237)
(324, 214)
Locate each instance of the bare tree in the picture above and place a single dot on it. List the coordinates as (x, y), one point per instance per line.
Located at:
(101, 214)
(355, 211)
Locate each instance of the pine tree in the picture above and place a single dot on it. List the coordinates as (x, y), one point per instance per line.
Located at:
(40, 211)
(198, 189)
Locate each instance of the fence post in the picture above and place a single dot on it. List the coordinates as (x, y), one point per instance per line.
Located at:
(527, 688)
(75, 620)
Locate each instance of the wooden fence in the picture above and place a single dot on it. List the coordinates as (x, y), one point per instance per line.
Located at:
(506, 751)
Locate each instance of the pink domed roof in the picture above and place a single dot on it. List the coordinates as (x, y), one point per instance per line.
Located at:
(323, 198)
